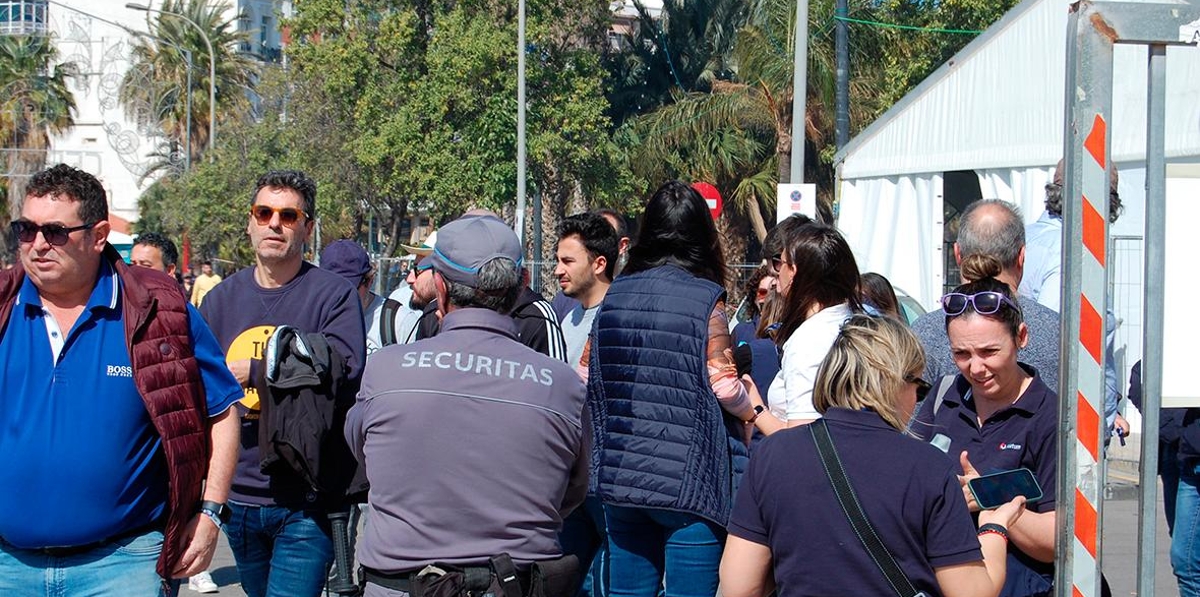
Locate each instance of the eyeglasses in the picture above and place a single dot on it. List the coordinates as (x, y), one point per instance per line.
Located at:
(55, 234)
(923, 386)
(984, 303)
(762, 293)
(777, 263)
(288, 216)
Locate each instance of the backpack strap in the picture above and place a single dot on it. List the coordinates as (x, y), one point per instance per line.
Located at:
(943, 388)
(387, 321)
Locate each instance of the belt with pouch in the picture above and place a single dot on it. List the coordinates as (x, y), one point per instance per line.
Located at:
(551, 578)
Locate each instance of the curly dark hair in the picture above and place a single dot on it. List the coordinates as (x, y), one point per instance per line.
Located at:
(170, 255)
(63, 181)
(677, 229)
(597, 236)
(290, 179)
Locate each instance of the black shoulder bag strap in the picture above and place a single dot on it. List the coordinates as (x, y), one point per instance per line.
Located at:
(858, 519)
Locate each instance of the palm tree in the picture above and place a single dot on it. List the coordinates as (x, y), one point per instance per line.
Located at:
(739, 135)
(154, 90)
(35, 103)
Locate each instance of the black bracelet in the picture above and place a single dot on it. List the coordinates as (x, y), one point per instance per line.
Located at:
(992, 527)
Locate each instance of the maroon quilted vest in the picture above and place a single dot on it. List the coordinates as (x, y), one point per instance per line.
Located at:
(168, 378)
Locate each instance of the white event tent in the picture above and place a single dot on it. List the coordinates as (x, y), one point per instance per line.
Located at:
(993, 115)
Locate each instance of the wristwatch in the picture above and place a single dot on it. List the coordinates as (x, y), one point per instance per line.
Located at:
(216, 511)
(758, 410)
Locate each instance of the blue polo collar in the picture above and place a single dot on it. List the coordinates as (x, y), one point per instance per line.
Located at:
(105, 294)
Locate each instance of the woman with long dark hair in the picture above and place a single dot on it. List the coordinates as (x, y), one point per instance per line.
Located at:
(818, 278)
(669, 414)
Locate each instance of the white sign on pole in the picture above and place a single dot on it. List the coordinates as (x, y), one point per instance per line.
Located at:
(1181, 326)
(795, 198)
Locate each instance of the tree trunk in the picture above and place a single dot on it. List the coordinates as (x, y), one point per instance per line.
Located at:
(754, 212)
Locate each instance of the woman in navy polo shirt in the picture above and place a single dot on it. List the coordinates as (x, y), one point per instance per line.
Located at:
(787, 517)
(999, 415)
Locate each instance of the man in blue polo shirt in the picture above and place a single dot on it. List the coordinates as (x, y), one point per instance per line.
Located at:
(118, 440)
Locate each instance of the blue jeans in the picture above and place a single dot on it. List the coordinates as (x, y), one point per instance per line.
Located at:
(121, 567)
(647, 546)
(1185, 542)
(280, 552)
(584, 535)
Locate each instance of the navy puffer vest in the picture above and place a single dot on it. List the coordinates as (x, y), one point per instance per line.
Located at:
(661, 439)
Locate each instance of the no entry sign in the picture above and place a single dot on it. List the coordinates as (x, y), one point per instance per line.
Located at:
(711, 196)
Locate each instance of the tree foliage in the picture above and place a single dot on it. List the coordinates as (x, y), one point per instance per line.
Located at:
(35, 103)
(155, 91)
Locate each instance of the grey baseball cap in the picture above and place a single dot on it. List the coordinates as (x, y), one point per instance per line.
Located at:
(466, 244)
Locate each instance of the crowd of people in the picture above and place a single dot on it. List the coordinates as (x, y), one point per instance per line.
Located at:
(467, 436)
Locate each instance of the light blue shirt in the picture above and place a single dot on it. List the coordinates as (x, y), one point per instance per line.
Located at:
(1042, 282)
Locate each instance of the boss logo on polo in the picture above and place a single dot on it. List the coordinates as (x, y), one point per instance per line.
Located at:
(1010, 446)
(119, 371)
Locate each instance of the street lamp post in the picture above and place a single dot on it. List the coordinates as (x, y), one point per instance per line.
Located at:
(212, 69)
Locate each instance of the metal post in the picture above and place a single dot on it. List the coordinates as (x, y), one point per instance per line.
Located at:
(1152, 314)
(187, 154)
(1085, 202)
(212, 70)
(842, 101)
(519, 221)
(799, 92)
(537, 257)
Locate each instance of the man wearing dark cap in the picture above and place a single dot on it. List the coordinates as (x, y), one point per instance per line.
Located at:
(476, 441)
(347, 259)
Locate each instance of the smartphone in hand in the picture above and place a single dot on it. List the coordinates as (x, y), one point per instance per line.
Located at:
(995, 490)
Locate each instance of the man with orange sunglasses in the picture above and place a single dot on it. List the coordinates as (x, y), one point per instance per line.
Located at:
(286, 482)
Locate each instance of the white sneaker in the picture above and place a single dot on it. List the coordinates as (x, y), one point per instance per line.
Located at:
(202, 583)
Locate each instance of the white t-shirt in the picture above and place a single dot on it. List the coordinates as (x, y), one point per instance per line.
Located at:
(791, 392)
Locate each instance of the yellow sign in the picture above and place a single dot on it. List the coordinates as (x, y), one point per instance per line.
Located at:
(250, 344)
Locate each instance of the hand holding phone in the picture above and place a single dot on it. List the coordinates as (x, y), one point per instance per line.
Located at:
(994, 490)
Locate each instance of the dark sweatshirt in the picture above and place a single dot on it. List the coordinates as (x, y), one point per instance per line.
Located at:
(243, 316)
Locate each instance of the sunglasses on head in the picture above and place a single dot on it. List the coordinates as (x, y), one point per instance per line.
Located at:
(55, 234)
(288, 216)
(984, 303)
(923, 386)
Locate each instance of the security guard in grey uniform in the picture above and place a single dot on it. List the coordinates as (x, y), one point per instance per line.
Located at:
(475, 445)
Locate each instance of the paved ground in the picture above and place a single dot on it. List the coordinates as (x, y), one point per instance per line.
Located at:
(1119, 549)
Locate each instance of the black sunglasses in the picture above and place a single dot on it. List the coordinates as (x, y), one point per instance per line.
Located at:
(288, 216)
(984, 303)
(923, 386)
(777, 264)
(55, 234)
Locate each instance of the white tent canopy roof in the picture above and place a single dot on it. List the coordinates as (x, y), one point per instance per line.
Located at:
(999, 103)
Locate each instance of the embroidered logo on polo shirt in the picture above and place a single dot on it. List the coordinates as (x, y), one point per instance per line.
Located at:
(119, 371)
(1004, 446)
